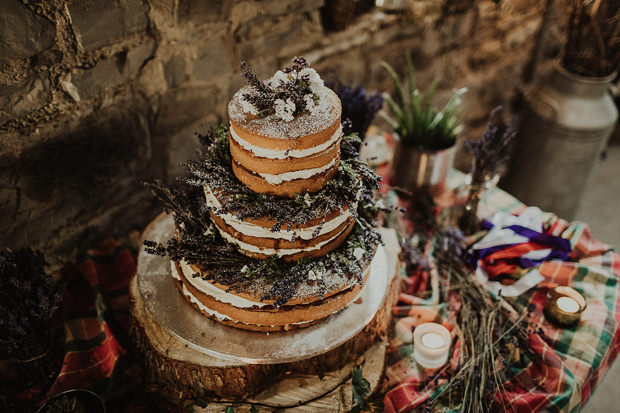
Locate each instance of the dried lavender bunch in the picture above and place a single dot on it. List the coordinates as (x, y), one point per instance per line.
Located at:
(491, 151)
(493, 336)
(28, 299)
(593, 38)
(198, 243)
(353, 182)
(356, 105)
(290, 92)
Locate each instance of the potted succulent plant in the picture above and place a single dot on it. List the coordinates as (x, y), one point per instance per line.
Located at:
(426, 137)
(568, 118)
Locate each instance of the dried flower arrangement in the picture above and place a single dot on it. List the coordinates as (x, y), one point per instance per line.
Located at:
(198, 243)
(491, 151)
(488, 154)
(357, 106)
(593, 38)
(416, 122)
(493, 337)
(290, 92)
(28, 299)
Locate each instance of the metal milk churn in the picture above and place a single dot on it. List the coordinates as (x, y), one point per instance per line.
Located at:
(565, 125)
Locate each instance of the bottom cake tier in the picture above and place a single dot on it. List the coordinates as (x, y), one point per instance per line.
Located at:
(192, 356)
(249, 312)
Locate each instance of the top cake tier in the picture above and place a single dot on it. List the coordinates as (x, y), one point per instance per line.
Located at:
(286, 157)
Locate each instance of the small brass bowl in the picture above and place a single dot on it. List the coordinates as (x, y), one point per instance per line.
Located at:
(555, 314)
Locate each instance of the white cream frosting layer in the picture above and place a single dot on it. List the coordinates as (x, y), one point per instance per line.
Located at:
(193, 298)
(202, 307)
(282, 154)
(301, 174)
(253, 230)
(209, 289)
(271, 251)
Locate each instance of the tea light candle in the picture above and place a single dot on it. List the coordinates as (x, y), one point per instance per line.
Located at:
(568, 305)
(431, 345)
(564, 305)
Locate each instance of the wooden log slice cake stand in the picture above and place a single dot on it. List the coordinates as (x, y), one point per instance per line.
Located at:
(190, 356)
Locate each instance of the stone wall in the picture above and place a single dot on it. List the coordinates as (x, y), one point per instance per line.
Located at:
(97, 95)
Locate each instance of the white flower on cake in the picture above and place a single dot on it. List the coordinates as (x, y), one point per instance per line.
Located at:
(311, 105)
(316, 83)
(247, 107)
(244, 268)
(312, 275)
(307, 199)
(277, 78)
(358, 253)
(284, 109)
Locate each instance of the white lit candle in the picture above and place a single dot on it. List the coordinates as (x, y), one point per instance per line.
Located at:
(564, 305)
(568, 305)
(431, 345)
(432, 340)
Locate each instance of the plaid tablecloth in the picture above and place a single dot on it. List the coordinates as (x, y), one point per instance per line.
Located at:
(573, 360)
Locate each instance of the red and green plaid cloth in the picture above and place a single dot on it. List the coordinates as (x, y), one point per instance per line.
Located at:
(96, 311)
(572, 360)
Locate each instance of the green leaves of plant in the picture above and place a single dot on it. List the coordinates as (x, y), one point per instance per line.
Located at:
(415, 120)
(361, 389)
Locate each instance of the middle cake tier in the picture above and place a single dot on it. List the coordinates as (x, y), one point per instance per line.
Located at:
(258, 238)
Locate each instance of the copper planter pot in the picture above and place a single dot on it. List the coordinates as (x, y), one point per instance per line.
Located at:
(413, 169)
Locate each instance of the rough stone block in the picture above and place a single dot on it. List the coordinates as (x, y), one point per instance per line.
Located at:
(277, 7)
(287, 33)
(213, 59)
(23, 33)
(203, 11)
(102, 22)
(174, 70)
(112, 71)
(280, 7)
(183, 107)
(23, 97)
(243, 12)
(486, 52)
(69, 181)
(137, 56)
(520, 35)
(107, 73)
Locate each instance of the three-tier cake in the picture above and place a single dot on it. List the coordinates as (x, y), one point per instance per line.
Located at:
(278, 233)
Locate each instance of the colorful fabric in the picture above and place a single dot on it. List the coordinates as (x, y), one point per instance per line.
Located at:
(517, 242)
(572, 360)
(96, 321)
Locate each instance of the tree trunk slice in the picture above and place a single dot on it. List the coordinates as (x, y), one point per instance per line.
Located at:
(318, 383)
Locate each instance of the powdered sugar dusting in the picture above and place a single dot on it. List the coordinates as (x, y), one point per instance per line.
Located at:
(324, 115)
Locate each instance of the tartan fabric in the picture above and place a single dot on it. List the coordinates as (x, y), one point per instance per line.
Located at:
(96, 316)
(572, 360)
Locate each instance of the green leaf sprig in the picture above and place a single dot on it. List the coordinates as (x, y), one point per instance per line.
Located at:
(415, 119)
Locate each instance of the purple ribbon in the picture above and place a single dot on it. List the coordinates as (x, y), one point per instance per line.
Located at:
(560, 247)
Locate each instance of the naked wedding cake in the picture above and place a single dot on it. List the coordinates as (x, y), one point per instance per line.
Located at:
(275, 229)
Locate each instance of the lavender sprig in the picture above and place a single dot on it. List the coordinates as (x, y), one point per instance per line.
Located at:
(298, 86)
(491, 151)
(494, 338)
(357, 106)
(353, 186)
(28, 299)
